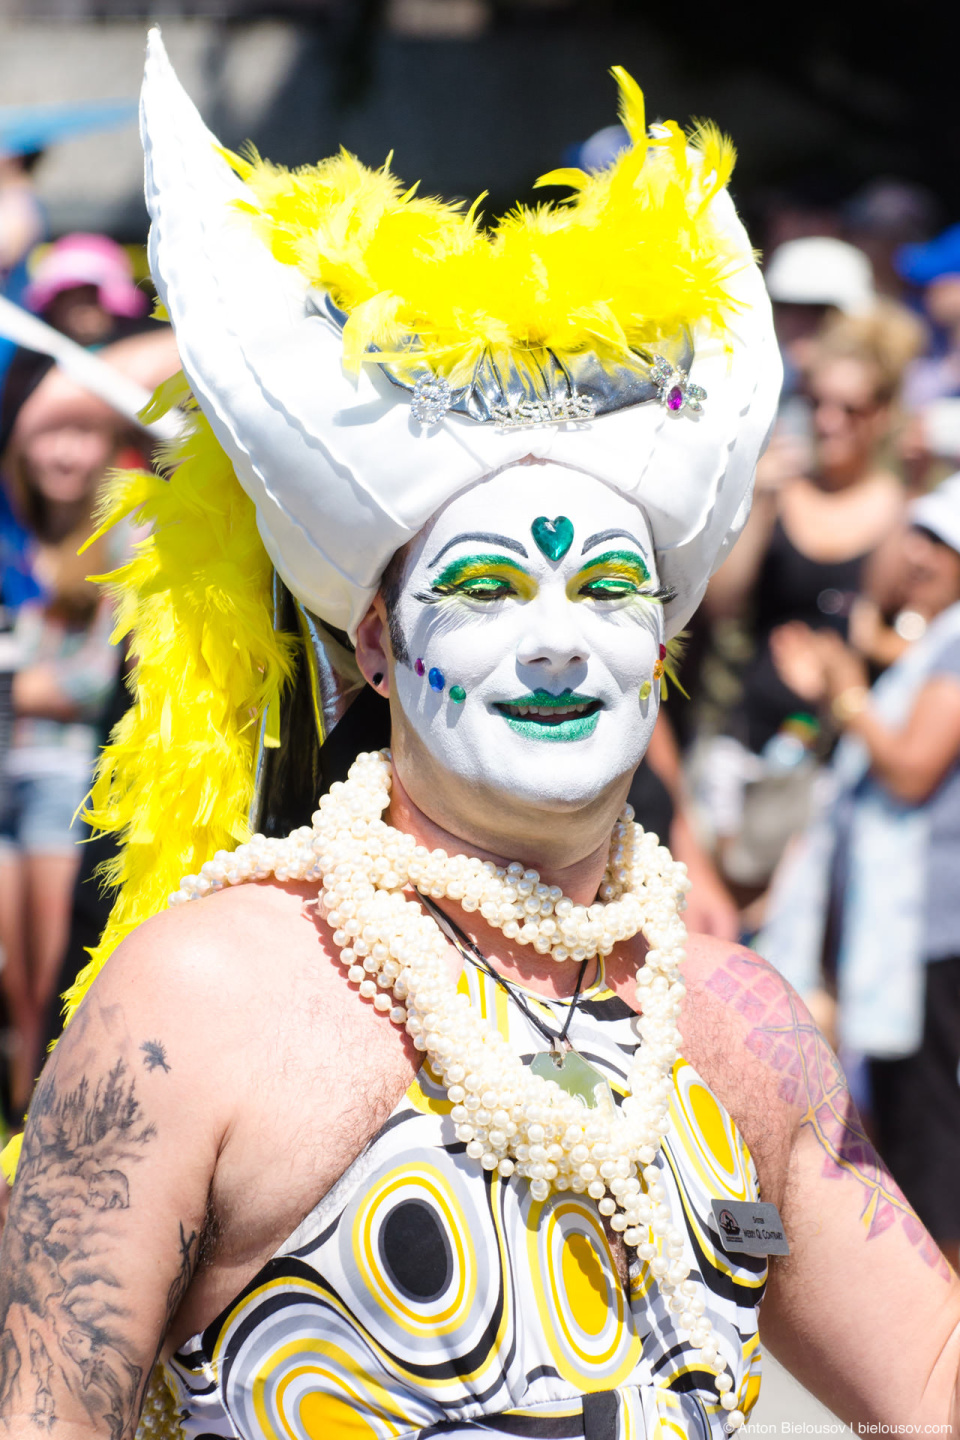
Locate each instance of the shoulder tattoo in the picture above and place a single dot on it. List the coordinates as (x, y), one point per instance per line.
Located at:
(785, 1039)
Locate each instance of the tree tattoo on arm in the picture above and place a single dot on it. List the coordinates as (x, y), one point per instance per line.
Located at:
(64, 1316)
(786, 1040)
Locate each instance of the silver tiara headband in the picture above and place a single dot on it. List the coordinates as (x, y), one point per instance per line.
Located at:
(544, 389)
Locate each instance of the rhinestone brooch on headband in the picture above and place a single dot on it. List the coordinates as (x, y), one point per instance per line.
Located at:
(556, 410)
(674, 387)
(432, 399)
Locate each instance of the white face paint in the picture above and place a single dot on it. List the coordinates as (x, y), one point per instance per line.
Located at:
(532, 646)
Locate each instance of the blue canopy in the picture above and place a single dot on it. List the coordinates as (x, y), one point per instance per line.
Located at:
(33, 127)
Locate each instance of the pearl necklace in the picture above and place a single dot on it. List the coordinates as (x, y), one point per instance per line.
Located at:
(511, 1120)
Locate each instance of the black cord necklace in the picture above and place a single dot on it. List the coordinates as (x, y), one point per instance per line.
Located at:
(472, 952)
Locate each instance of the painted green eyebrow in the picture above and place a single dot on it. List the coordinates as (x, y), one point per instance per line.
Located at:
(629, 558)
(467, 566)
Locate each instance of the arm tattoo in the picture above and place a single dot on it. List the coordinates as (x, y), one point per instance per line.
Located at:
(64, 1336)
(154, 1056)
(785, 1039)
(180, 1283)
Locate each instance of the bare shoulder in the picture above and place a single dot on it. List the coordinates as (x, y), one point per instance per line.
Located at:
(214, 982)
(751, 1037)
(243, 942)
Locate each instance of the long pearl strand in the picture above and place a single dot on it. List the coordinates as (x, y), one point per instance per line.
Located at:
(510, 1120)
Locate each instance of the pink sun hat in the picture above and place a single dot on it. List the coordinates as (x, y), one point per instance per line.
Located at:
(87, 260)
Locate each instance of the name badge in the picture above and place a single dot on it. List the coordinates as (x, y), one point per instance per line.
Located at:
(752, 1228)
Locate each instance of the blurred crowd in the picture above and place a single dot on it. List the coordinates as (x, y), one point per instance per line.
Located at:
(808, 770)
(61, 678)
(821, 739)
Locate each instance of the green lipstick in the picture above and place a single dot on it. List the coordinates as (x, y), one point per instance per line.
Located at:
(543, 716)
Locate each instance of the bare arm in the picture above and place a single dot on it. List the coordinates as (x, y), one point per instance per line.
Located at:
(729, 591)
(864, 1311)
(107, 1210)
(73, 686)
(37, 691)
(710, 907)
(912, 761)
(59, 400)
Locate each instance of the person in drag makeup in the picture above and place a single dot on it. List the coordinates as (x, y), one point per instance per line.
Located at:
(396, 1100)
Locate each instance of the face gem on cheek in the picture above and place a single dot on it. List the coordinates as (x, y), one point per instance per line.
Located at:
(457, 694)
(420, 668)
(645, 689)
(437, 679)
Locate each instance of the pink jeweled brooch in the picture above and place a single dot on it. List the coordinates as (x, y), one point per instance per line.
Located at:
(675, 388)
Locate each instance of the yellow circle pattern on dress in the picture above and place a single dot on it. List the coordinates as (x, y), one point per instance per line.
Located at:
(708, 1136)
(421, 1292)
(303, 1383)
(582, 1307)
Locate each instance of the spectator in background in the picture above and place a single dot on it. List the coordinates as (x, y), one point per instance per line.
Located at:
(83, 286)
(810, 280)
(804, 555)
(868, 906)
(882, 217)
(59, 451)
(61, 443)
(662, 804)
(21, 218)
(935, 268)
(932, 391)
(21, 226)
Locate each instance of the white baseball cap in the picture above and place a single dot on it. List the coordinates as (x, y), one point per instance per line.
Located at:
(818, 270)
(940, 511)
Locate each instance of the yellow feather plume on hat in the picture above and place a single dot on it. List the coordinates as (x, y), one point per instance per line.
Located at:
(632, 257)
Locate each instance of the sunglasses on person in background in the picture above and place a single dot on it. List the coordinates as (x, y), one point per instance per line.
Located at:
(852, 412)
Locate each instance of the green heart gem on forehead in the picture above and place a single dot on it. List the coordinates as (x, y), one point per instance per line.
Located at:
(553, 537)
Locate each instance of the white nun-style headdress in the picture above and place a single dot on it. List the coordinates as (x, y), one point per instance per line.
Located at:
(356, 391)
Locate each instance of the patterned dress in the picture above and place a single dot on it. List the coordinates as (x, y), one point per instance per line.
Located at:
(422, 1297)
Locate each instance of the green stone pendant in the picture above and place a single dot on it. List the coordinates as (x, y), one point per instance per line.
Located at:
(574, 1075)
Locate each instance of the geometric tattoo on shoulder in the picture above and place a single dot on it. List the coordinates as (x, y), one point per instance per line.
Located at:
(785, 1039)
(154, 1055)
(63, 1311)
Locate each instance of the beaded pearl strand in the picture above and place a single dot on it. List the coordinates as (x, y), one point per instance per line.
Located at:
(510, 1120)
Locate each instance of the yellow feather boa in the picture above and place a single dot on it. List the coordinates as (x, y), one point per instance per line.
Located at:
(175, 782)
